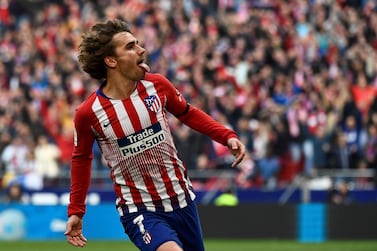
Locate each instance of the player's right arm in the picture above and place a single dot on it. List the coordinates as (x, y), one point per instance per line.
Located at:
(81, 162)
(80, 176)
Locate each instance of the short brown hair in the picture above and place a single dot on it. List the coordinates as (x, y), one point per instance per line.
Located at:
(97, 44)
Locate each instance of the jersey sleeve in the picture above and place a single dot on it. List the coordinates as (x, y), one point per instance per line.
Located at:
(81, 163)
(194, 117)
(205, 124)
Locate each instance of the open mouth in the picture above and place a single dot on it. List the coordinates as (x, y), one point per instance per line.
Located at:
(143, 65)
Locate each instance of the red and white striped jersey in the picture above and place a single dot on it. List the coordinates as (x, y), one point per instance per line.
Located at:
(135, 139)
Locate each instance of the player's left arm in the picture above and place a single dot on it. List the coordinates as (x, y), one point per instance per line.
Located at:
(203, 123)
(237, 148)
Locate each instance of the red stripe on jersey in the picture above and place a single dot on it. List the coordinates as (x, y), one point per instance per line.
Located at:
(132, 113)
(169, 185)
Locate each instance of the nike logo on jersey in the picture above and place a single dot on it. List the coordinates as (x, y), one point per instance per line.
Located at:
(106, 124)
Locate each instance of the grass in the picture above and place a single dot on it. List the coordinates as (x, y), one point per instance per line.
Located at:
(211, 245)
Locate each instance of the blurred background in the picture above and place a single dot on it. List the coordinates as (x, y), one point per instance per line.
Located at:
(297, 80)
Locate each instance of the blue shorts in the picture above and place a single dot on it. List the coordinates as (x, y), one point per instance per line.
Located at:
(148, 230)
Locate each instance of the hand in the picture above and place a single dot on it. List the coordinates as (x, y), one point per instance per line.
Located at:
(237, 148)
(74, 232)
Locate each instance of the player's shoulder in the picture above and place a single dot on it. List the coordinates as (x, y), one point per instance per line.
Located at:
(156, 78)
(86, 105)
(159, 81)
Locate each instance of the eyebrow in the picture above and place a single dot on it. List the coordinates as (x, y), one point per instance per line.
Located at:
(133, 42)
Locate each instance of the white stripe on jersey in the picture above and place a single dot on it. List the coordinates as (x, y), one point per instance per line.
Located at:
(142, 111)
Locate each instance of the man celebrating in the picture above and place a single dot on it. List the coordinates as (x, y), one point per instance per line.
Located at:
(127, 116)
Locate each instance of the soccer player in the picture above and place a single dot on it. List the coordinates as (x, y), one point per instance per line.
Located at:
(127, 116)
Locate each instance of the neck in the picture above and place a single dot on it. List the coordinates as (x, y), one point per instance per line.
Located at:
(119, 89)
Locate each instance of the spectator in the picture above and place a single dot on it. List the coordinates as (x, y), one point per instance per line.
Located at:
(268, 168)
(31, 179)
(370, 149)
(322, 148)
(14, 157)
(301, 143)
(47, 156)
(363, 94)
(339, 153)
(339, 194)
(352, 133)
(14, 193)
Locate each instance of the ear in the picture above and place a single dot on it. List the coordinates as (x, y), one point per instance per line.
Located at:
(110, 61)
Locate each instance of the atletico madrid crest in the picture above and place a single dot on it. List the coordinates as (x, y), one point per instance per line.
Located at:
(153, 103)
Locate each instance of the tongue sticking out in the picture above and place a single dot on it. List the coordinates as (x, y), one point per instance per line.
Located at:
(145, 67)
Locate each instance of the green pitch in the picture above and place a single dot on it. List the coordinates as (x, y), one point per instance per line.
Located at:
(211, 245)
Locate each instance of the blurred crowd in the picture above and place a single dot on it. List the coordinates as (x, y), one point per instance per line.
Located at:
(296, 79)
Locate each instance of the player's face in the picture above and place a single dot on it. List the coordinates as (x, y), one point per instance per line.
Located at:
(129, 56)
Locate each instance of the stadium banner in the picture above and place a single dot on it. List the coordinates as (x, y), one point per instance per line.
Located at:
(31, 222)
(250, 221)
(309, 222)
(353, 221)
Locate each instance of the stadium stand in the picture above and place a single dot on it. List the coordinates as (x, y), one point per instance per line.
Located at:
(297, 80)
